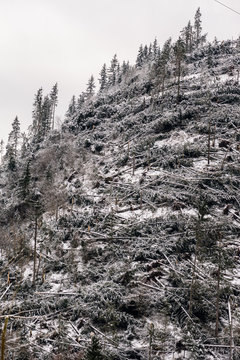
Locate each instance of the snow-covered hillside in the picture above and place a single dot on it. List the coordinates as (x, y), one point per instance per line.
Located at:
(133, 210)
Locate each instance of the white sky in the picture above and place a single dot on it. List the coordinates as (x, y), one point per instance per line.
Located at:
(65, 41)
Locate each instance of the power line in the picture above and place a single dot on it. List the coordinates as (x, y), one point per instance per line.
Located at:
(228, 7)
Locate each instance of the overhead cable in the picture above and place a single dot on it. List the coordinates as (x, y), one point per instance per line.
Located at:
(228, 7)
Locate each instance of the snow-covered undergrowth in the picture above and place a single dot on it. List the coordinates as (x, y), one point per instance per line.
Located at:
(137, 233)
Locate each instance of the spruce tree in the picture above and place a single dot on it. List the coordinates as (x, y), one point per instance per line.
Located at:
(94, 350)
(90, 87)
(103, 78)
(139, 61)
(24, 146)
(197, 27)
(125, 67)
(112, 71)
(187, 37)
(1, 149)
(72, 108)
(37, 111)
(11, 158)
(162, 62)
(150, 52)
(210, 62)
(179, 52)
(80, 101)
(14, 136)
(24, 182)
(155, 49)
(145, 53)
(45, 124)
(54, 101)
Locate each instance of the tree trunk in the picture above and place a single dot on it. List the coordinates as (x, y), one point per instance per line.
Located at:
(231, 329)
(209, 139)
(4, 338)
(35, 251)
(217, 302)
(178, 81)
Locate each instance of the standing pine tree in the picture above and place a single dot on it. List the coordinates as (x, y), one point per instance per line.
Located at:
(150, 52)
(179, 52)
(161, 64)
(11, 158)
(112, 71)
(45, 124)
(12, 145)
(14, 136)
(145, 53)
(187, 36)
(1, 149)
(24, 182)
(80, 101)
(24, 147)
(103, 78)
(139, 61)
(155, 49)
(90, 87)
(54, 101)
(197, 27)
(72, 108)
(125, 67)
(37, 112)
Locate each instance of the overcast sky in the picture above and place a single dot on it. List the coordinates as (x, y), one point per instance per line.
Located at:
(65, 41)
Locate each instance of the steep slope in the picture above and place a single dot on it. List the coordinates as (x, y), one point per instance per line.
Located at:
(135, 210)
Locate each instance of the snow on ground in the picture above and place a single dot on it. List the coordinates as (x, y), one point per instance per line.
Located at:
(200, 164)
(177, 138)
(27, 274)
(145, 213)
(164, 212)
(56, 280)
(192, 76)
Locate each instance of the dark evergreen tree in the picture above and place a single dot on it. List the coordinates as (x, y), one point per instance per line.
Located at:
(90, 87)
(119, 74)
(81, 101)
(24, 146)
(238, 42)
(37, 111)
(210, 62)
(145, 53)
(72, 108)
(93, 352)
(11, 158)
(187, 36)
(103, 78)
(150, 52)
(165, 54)
(160, 67)
(45, 124)
(112, 71)
(14, 136)
(24, 182)
(155, 49)
(179, 52)
(139, 61)
(1, 149)
(197, 27)
(54, 102)
(125, 67)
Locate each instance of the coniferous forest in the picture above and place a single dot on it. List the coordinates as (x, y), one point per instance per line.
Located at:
(120, 227)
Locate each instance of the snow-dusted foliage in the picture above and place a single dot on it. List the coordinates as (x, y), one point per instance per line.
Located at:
(120, 233)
